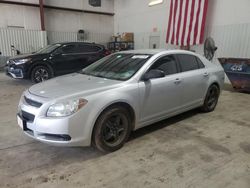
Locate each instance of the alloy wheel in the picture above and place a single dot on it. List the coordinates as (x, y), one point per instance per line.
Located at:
(41, 75)
(212, 97)
(114, 129)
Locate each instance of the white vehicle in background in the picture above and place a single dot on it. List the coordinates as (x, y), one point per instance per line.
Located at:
(122, 92)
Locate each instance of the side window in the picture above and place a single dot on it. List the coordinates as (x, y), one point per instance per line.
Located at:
(67, 49)
(95, 48)
(187, 62)
(82, 48)
(167, 64)
(201, 65)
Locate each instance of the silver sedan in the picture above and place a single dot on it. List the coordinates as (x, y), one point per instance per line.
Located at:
(122, 92)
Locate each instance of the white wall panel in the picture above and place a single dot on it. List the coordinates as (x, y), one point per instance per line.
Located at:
(24, 40)
(231, 40)
(59, 20)
(107, 5)
(55, 36)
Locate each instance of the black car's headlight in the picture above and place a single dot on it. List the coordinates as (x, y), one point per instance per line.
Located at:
(21, 61)
(67, 108)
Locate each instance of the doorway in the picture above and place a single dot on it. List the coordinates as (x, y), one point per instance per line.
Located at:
(154, 42)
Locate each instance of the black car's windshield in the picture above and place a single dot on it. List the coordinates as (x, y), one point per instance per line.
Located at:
(48, 49)
(119, 66)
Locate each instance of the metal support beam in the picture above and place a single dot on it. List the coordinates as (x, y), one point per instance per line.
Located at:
(42, 15)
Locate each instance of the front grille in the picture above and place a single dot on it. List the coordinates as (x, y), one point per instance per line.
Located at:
(32, 103)
(27, 116)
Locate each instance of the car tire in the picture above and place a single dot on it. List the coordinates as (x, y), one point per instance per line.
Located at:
(40, 73)
(112, 129)
(211, 99)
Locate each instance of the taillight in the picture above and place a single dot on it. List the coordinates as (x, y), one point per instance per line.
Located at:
(107, 52)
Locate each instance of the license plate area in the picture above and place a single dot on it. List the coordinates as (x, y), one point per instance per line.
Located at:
(22, 123)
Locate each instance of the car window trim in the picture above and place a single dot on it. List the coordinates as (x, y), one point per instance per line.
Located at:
(65, 45)
(198, 59)
(181, 71)
(79, 53)
(177, 67)
(100, 48)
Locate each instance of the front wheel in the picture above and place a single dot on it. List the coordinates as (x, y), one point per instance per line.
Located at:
(112, 129)
(40, 74)
(211, 99)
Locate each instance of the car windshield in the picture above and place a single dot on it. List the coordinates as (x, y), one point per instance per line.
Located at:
(48, 49)
(119, 66)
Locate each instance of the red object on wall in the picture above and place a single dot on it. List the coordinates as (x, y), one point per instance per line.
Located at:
(42, 15)
(186, 23)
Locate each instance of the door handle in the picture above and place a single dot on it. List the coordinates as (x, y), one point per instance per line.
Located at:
(205, 74)
(177, 81)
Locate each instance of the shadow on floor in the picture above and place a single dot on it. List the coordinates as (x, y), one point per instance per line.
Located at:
(162, 124)
(229, 87)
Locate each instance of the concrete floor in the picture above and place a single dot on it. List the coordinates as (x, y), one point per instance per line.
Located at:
(190, 150)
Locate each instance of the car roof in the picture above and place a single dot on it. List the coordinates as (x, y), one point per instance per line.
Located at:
(156, 51)
(88, 43)
(143, 51)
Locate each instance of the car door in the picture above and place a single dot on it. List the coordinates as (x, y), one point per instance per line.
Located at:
(194, 79)
(66, 59)
(161, 96)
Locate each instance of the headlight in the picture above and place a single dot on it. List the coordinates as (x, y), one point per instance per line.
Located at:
(66, 108)
(21, 61)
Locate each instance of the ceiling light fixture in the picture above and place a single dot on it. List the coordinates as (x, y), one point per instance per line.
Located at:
(155, 2)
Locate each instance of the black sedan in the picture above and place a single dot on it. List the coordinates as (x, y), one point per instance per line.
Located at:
(54, 60)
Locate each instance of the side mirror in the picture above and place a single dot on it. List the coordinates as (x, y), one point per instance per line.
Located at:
(0, 53)
(154, 73)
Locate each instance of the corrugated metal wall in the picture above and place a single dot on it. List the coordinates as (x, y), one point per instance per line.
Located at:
(29, 40)
(24, 40)
(57, 36)
(232, 40)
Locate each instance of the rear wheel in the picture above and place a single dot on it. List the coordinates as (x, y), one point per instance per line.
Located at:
(112, 129)
(211, 99)
(40, 74)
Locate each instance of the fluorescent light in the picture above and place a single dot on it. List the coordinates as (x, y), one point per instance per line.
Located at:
(154, 2)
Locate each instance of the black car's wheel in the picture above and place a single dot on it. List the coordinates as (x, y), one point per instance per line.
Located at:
(40, 74)
(112, 129)
(211, 99)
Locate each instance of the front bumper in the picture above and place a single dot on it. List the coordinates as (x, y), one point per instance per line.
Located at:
(14, 72)
(53, 132)
(63, 131)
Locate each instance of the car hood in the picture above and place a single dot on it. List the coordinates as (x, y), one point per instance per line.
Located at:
(71, 85)
(23, 56)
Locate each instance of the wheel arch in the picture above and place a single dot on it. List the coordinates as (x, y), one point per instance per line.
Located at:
(215, 83)
(35, 64)
(124, 104)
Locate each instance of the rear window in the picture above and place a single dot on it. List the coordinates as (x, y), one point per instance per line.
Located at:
(200, 64)
(188, 62)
